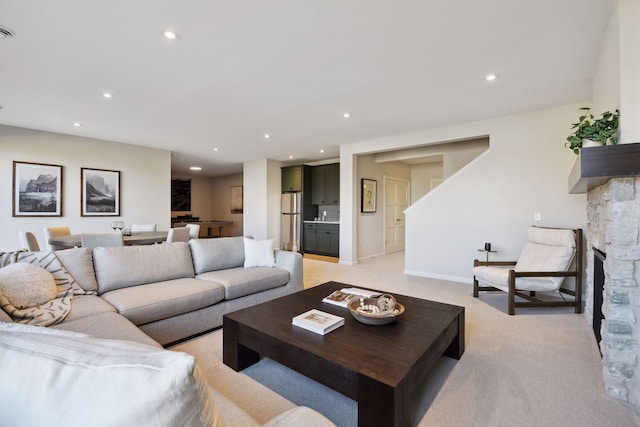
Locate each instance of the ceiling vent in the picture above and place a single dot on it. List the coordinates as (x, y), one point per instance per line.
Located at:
(6, 33)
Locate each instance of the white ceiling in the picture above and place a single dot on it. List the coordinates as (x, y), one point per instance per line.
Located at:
(289, 68)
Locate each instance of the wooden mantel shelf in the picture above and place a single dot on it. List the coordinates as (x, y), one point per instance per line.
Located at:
(597, 165)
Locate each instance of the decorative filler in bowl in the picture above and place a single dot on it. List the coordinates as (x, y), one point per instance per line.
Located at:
(376, 311)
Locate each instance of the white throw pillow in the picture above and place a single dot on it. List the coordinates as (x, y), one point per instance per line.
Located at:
(82, 380)
(27, 285)
(259, 253)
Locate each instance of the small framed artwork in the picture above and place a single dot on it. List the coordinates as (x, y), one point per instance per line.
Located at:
(369, 191)
(236, 199)
(37, 189)
(99, 192)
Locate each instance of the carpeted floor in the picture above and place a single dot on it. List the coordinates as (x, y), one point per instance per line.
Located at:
(540, 367)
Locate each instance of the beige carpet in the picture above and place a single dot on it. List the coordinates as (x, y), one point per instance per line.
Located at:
(540, 367)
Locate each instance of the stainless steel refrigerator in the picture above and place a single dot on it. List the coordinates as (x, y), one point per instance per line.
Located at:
(291, 221)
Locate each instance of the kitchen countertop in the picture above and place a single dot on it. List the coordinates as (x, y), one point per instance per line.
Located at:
(323, 222)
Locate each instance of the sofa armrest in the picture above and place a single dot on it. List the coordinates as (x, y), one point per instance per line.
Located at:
(300, 416)
(292, 262)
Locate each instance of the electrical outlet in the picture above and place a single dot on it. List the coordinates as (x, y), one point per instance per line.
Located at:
(537, 216)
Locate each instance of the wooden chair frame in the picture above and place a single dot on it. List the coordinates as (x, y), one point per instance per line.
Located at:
(530, 296)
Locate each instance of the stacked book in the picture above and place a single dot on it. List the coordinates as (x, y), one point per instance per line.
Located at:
(318, 321)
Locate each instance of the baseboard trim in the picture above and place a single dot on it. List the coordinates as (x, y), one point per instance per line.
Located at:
(371, 256)
(439, 276)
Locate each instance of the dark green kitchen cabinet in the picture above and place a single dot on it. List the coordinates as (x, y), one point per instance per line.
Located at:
(322, 239)
(325, 188)
(292, 179)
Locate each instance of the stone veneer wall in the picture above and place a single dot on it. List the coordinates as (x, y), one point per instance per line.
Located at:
(613, 216)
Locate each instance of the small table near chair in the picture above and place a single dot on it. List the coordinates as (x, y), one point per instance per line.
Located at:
(141, 238)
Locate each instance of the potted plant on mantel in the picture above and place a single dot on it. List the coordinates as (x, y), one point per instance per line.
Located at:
(589, 132)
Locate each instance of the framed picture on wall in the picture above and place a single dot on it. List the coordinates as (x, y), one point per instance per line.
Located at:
(236, 199)
(369, 189)
(181, 195)
(37, 189)
(100, 192)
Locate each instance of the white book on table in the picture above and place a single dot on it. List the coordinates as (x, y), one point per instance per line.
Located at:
(318, 321)
(344, 296)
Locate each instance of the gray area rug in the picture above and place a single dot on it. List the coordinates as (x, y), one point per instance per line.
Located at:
(340, 409)
(305, 392)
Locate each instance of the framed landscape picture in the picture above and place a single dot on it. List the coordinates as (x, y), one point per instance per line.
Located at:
(37, 189)
(236, 199)
(100, 192)
(369, 190)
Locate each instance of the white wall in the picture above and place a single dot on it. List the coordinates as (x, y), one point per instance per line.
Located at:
(145, 181)
(262, 185)
(421, 178)
(490, 200)
(629, 17)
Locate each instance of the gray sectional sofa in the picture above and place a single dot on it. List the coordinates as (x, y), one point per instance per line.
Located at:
(174, 291)
(161, 294)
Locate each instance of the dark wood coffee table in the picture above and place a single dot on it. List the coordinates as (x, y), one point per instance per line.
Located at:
(379, 366)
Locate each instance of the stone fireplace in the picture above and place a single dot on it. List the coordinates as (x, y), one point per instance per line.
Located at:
(613, 215)
(611, 178)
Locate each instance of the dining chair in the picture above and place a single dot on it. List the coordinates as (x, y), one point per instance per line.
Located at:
(107, 238)
(194, 230)
(55, 232)
(179, 234)
(29, 241)
(136, 228)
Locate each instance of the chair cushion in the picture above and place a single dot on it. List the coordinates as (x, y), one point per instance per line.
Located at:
(76, 379)
(239, 282)
(156, 301)
(536, 257)
(552, 236)
(498, 277)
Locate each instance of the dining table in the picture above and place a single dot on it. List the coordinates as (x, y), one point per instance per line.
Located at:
(138, 238)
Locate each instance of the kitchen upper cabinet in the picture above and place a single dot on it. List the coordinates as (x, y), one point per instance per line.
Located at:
(325, 189)
(292, 179)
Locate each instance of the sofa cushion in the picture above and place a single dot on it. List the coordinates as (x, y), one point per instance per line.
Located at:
(125, 266)
(80, 380)
(156, 301)
(88, 305)
(258, 253)
(217, 254)
(240, 281)
(79, 262)
(109, 325)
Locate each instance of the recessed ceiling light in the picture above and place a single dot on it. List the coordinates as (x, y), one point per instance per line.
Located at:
(195, 168)
(107, 95)
(346, 115)
(267, 136)
(291, 157)
(6, 33)
(77, 124)
(322, 151)
(215, 149)
(490, 77)
(171, 35)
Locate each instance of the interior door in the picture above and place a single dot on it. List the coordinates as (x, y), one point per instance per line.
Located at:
(396, 200)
